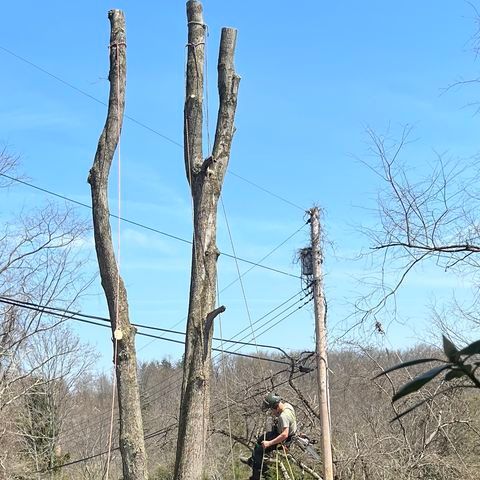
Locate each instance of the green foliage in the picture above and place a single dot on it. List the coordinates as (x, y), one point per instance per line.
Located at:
(39, 427)
(162, 472)
(459, 364)
(419, 382)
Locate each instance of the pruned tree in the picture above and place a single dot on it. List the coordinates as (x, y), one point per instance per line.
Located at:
(205, 177)
(132, 445)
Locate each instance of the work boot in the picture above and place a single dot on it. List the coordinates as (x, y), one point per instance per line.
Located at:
(255, 475)
(246, 460)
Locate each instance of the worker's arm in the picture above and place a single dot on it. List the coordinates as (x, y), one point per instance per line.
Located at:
(279, 439)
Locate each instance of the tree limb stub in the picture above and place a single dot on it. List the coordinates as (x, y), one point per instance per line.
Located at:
(211, 317)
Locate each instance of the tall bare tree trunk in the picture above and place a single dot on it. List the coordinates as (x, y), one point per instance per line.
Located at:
(132, 445)
(205, 177)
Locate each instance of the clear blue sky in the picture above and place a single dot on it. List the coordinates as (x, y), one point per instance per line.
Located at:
(314, 76)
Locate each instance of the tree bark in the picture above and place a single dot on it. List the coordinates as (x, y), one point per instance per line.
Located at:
(205, 177)
(132, 445)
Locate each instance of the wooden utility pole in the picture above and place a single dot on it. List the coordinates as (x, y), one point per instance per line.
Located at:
(132, 445)
(321, 343)
(205, 177)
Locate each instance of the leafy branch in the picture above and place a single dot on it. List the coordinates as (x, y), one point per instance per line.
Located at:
(459, 364)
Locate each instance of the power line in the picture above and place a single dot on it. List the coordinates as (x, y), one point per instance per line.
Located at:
(150, 435)
(134, 120)
(165, 389)
(152, 394)
(86, 94)
(73, 316)
(247, 328)
(307, 301)
(266, 191)
(78, 316)
(141, 225)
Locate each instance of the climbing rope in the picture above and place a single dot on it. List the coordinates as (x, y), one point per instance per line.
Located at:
(276, 463)
(288, 461)
(226, 387)
(110, 434)
(196, 240)
(117, 333)
(207, 127)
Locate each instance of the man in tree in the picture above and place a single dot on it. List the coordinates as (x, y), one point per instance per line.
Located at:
(284, 427)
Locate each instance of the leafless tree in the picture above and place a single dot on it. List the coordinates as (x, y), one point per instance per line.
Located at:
(427, 218)
(58, 361)
(205, 177)
(41, 260)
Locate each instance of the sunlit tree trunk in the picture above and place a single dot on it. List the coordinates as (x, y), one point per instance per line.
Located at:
(205, 177)
(132, 445)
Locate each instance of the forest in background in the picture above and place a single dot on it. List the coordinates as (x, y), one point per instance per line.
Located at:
(56, 419)
(55, 410)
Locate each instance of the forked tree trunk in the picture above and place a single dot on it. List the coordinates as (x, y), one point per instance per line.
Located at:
(132, 445)
(205, 177)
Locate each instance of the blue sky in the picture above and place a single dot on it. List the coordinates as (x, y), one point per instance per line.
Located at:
(314, 76)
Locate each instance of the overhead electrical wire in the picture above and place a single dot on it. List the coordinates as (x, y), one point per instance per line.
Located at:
(73, 316)
(145, 227)
(85, 318)
(247, 328)
(250, 269)
(134, 120)
(299, 307)
(55, 311)
(151, 435)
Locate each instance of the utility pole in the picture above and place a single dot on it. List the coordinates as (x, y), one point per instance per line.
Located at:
(321, 343)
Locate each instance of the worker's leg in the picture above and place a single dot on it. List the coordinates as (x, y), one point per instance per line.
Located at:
(258, 453)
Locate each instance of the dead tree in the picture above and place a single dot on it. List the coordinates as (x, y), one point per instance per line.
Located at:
(132, 445)
(205, 177)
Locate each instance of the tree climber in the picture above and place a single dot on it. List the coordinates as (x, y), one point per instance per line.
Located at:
(284, 428)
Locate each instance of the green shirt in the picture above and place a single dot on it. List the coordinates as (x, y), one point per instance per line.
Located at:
(287, 419)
